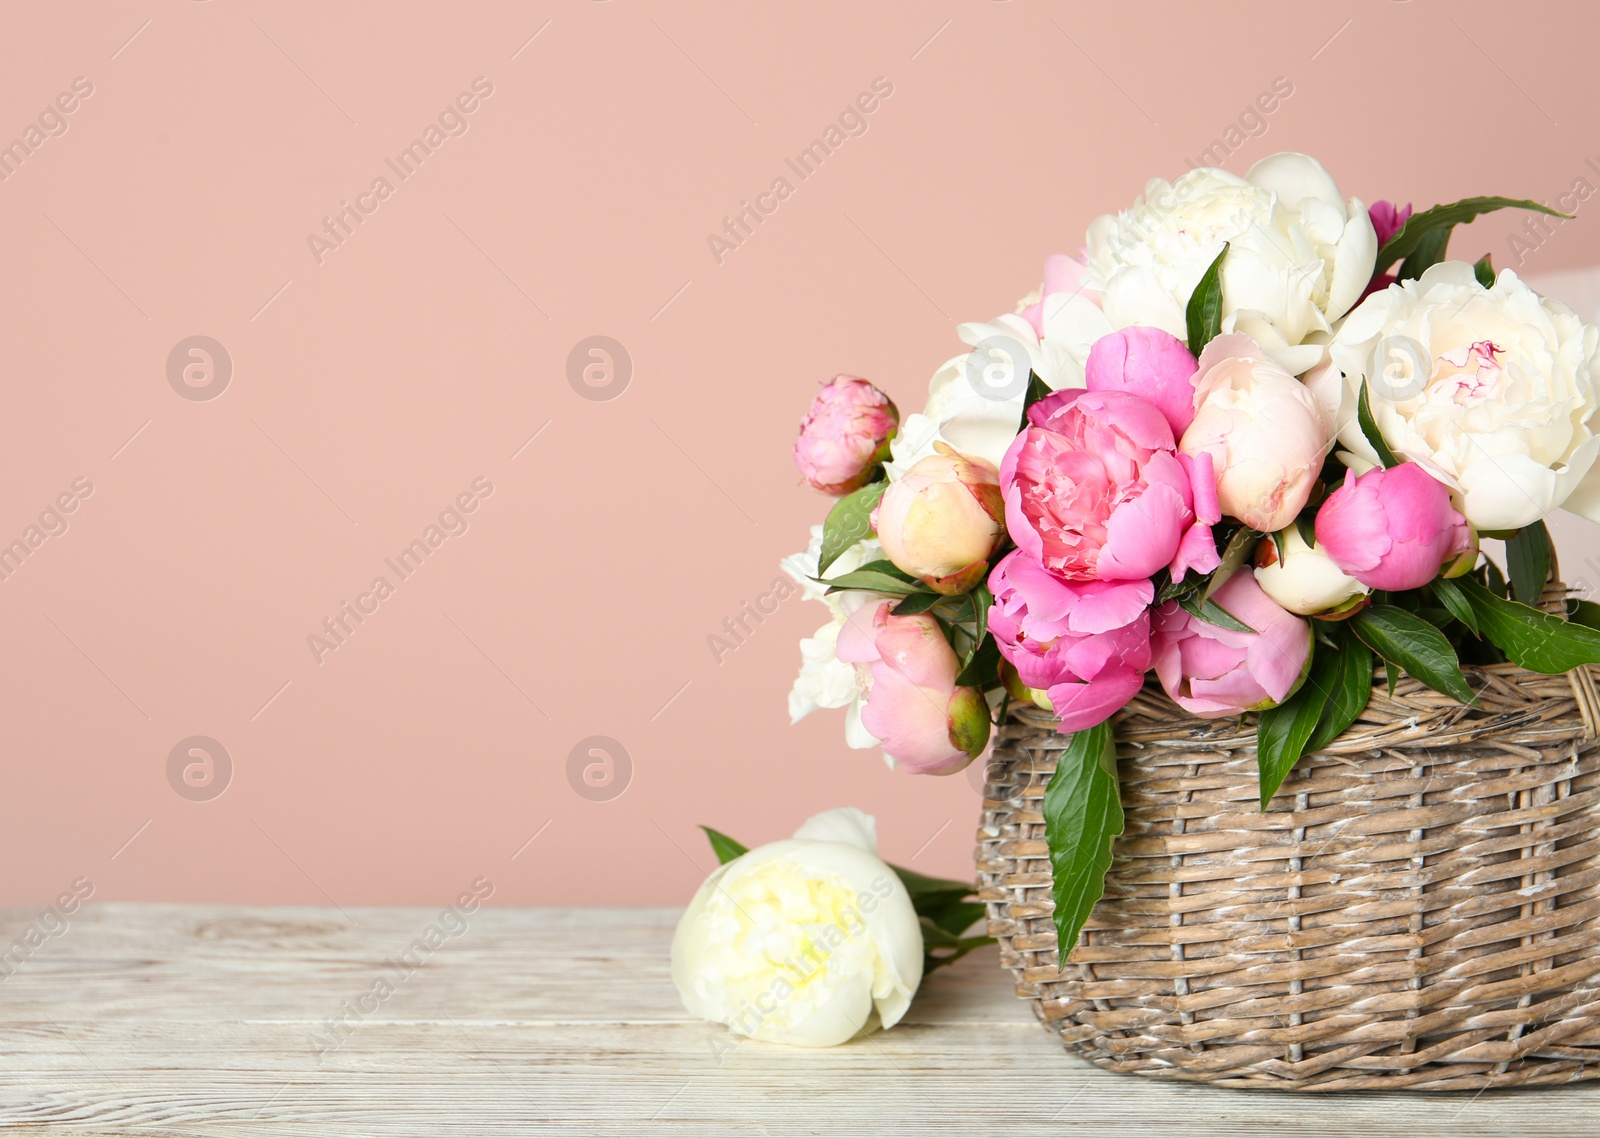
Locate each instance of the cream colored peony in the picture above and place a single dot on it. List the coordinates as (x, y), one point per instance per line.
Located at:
(809, 941)
(1492, 390)
(1299, 254)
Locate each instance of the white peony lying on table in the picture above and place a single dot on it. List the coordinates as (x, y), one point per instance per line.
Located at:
(809, 941)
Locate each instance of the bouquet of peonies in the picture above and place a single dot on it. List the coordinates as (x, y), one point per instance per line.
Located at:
(1248, 441)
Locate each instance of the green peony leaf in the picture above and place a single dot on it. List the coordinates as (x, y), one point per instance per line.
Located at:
(878, 576)
(1528, 562)
(1204, 314)
(1586, 613)
(1282, 732)
(1405, 639)
(1333, 695)
(723, 846)
(1351, 688)
(1433, 227)
(848, 522)
(917, 602)
(1533, 639)
(1211, 612)
(982, 668)
(1082, 815)
(1369, 428)
(1452, 598)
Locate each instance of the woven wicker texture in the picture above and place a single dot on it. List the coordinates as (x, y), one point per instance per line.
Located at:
(1420, 906)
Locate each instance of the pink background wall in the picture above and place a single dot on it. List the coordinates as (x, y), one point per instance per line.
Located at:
(371, 389)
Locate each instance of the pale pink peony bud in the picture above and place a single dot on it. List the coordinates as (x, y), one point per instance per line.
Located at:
(926, 723)
(1263, 431)
(845, 435)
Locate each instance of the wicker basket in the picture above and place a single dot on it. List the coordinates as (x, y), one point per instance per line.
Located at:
(1419, 908)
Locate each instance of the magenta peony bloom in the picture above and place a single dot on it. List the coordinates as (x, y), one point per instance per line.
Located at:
(1084, 643)
(1392, 529)
(1150, 363)
(1387, 220)
(1094, 490)
(1214, 672)
(926, 724)
(845, 435)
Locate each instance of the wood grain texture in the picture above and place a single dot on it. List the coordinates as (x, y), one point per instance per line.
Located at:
(192, 1020)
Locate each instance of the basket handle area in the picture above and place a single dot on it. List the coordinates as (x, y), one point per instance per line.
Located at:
(1554, 601)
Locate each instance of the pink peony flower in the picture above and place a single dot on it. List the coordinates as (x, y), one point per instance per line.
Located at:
(1392, 529)
(942, 519)
(1084, 643)
(1387, 220)
(1094, 490)
(925, 722)
(1214, 672)
(1150, 363)
(845, 435)
(1261, 427)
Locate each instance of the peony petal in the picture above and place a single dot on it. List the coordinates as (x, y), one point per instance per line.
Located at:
(1202, 472)
(1136, 295)
(1294, 178)
(1197, 550)
(845, 824)
(1228, 694)
(1229, 346)
(1143, 535)
(914, 647)
(1080, 706)
(1509, 491)
(1353, 261)
(911, 720)
(856, 644)
(1105, 605)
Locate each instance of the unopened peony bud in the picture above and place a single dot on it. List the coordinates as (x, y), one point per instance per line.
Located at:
(1392, 529)
(926, 723)
(942, 520)
(1263, 430)
(845, 435)
(1304, 580)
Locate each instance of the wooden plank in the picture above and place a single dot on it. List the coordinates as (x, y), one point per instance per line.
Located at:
(212, 1020)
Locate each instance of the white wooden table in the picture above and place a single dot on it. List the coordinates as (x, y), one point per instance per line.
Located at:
(207, 1020)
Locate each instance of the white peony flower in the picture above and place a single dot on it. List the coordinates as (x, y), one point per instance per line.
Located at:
(1493, 391)
(1299, 255)
(824, 679)
(805, 941)
(975, 399)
